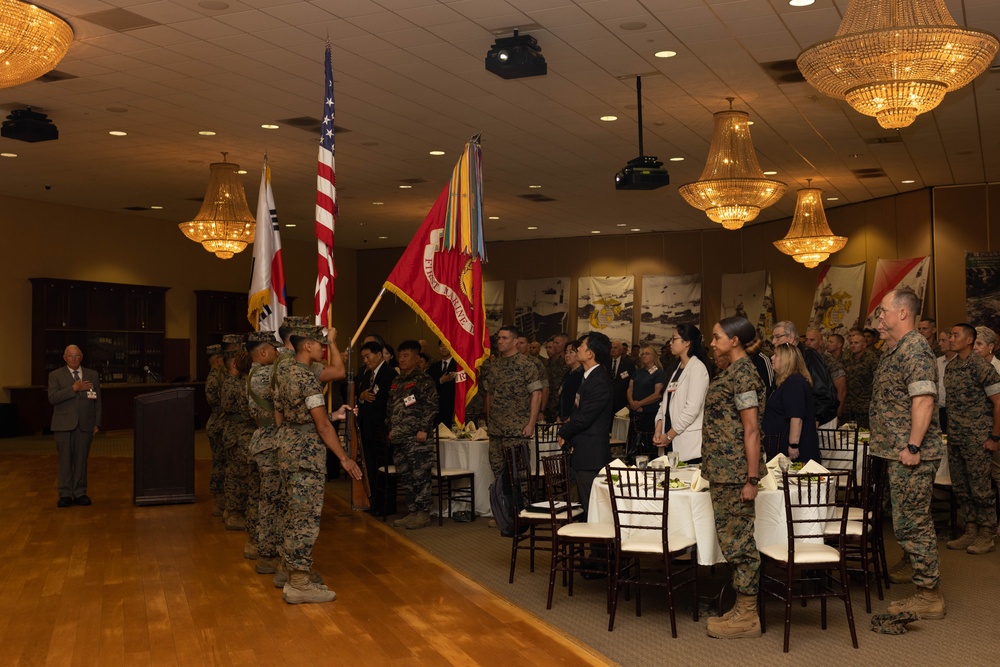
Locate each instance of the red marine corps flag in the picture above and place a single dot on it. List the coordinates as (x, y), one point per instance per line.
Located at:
(440, 273)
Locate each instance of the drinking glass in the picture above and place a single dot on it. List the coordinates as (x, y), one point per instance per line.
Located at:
(640, 461)
(672, 459)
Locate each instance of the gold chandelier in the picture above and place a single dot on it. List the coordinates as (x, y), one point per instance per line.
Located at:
(224, 225)
(809, 240)
(32, 42)
(732, 189)
(894, 59)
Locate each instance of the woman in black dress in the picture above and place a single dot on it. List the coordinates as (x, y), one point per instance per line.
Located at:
(790, 412)
(645, 390)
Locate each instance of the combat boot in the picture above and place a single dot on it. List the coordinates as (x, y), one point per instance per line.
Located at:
(218, 504)
(281, 577)
(927, 603)
(965, 539)
(418, 520)
(235, 521)
(401, 523)
(902, 572)
(983, 543)
(744, 621)
(250, 549)
(267, 566)
(299, 590)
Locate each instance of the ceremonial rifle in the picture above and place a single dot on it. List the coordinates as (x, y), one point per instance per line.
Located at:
(360, 489)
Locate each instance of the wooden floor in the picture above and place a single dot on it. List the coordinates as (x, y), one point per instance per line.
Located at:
(115, 584)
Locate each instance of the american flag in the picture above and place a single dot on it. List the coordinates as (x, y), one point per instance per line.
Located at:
(326, 204)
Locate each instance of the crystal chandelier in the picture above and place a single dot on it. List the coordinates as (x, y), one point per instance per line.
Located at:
(809, 240)
(224, 225)
(894, 59)
(32, 42)
(732, 189)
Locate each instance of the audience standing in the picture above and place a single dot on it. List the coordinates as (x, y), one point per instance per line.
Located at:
(680, 418)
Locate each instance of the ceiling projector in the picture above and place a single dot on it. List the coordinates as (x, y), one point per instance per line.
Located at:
(516, 57)
(642, 173)
(28, 125)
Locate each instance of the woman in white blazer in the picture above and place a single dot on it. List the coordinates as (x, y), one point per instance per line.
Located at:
(684, 398)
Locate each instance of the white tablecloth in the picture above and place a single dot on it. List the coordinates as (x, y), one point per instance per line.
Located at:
(691, 515)
(473, 455)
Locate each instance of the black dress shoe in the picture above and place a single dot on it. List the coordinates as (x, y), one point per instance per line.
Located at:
(83, 500)
(65, 502)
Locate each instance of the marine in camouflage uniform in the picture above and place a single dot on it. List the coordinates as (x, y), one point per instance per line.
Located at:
(906, 371)
(214, 427)
(860, 373)
(509, 380)
(724, 465)
(412, 414)
(298, 403)
(970, 384)
(237, 433)
(265, 475)
(556, 370)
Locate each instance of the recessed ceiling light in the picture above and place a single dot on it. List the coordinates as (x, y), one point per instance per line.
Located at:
(437, 152)
(595, 231)
(8, 154)
(290, 225)
(749, 122)
(269, 126)
(156, 208)
(632, 25)
(241, 171)
(833, 198)
(635, 229)
(608, 119)
(217, 5)
(494, 217)
(800, 3)
(665, 54)
(770, 173)
(532, 227)
(207, 133)
(378, 203)
(405, 187)
(117, 109)
(677, 159)
(909, 180)
(118, 133)
(534, 187)
(620, 224)
(383, 237)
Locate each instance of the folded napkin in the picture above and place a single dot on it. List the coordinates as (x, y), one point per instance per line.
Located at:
(445, 433)
(813, 468)
(622, 413)
(470, 426)
(768, 482)
(618, 463)
(699, 483)
(659, 459)
(774, 464)
(480, 434)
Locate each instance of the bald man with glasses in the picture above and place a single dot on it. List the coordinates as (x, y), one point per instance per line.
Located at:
(75, 395)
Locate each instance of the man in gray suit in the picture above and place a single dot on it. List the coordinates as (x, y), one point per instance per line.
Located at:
(75, 394)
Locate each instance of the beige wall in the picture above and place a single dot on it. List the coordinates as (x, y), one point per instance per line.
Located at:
(892, 227)
(42, 240)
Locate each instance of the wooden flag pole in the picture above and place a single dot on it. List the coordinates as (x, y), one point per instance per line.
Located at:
(371, 311)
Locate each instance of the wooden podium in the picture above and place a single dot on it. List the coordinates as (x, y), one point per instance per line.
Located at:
(164, 447)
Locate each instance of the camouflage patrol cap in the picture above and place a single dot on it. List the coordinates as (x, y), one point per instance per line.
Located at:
(311, 332)
(296, 321)
(213, 350)
(263, 336)
(234, 339)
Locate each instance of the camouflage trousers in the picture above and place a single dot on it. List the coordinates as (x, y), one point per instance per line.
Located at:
(498, 444)
(270, 503)
(734, 526)
(414, 461)
(238, 436)
(910, 489)
(215, 430)
(303, 507)
(969, 465)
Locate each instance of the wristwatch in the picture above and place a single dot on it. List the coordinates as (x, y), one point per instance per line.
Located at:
(994, 437)
(753, 480)
(913, 449)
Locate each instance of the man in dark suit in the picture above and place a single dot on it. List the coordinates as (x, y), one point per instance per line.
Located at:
(443, 374)
(620, 367)
(373, 399)
(75, 394)
(587, 434)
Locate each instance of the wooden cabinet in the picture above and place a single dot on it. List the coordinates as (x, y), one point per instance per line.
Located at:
(120, 328)
(218, 314)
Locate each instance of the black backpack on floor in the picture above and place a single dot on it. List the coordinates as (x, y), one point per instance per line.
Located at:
(502, 504)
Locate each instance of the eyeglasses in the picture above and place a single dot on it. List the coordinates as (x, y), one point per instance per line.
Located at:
(675, 338)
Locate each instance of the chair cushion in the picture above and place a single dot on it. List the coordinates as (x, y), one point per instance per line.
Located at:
(525, 514)
(854, 528)
(855, 514)
(650, 544)
(597, 531)
(388, 470)
(804, 553)
(455, 472)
